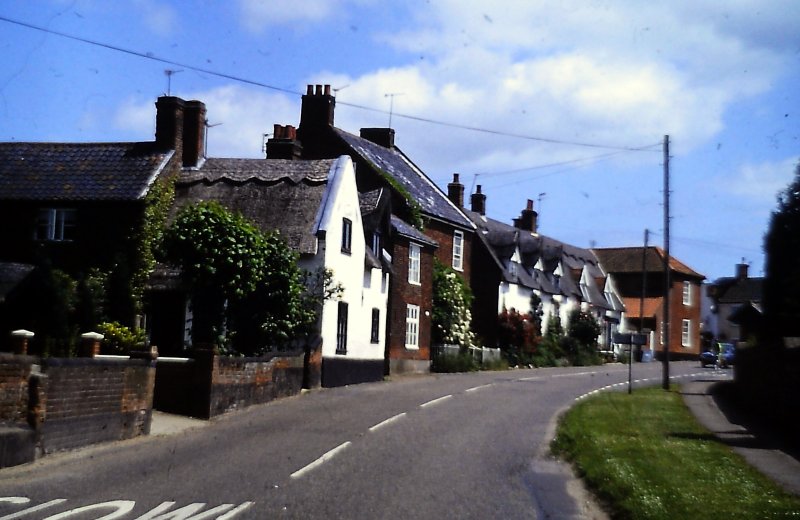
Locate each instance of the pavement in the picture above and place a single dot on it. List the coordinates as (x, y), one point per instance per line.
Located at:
(775, 454)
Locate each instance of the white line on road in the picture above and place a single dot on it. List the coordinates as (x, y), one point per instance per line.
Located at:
(320, 461)
(572, 375)
(534, 378)
(476, 388)
(387, 421)
(436, 401)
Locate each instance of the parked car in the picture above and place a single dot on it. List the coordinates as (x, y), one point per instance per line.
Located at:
(712, 357)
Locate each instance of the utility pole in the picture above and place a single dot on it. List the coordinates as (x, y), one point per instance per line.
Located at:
(667, 282)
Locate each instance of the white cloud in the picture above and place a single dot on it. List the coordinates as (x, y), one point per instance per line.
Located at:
(763, 181)
(257, 14)
(159, 18)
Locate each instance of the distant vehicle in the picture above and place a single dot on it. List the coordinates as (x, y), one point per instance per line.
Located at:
(712, 357)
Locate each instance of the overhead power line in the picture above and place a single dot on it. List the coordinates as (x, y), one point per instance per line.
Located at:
(153, 57)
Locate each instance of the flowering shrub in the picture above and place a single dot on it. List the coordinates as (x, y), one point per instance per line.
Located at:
(452, 318)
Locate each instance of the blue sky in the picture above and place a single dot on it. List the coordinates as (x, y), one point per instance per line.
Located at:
(720, 78)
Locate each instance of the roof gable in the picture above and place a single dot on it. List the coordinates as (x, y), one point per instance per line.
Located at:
(79, 171)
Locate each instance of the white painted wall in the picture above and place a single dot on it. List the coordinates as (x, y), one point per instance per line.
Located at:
(364, 288)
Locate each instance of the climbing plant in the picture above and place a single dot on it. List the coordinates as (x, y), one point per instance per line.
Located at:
(452, 318)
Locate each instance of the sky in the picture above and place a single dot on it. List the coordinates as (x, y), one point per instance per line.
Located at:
(564, 103)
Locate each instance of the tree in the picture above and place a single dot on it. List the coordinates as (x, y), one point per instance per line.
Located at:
(580, 343)
(234, 271)
(782, 249)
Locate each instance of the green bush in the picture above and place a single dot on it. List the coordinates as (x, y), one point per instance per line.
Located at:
(449, 363)
(119, 339)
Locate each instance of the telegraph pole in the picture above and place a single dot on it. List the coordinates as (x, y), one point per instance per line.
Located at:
(665, 329)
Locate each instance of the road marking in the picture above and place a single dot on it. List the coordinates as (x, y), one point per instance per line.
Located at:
(121, 508)
(533, 378)
(25, 500)
(436, 401)
(387, 421)
(572, 375)
(320, 461)
(476, 388)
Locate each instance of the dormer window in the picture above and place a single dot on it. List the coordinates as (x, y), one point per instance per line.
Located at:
(55, 224)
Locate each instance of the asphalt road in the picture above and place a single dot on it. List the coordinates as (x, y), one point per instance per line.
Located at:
(440, 446)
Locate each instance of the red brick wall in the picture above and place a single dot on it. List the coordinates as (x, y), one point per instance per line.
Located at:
(443, 234)
(86, 401)
(402, 294)
(15, 372)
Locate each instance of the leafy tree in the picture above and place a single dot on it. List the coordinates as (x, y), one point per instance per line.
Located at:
(452, 318)
(580, 343)
(782, 248)
(235, 271)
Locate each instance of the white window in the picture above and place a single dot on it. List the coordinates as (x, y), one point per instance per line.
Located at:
(55, 224)
(412, 326)
(376, 243)
(686, 333)
(687, 293)
(414, 255)
(458, 250)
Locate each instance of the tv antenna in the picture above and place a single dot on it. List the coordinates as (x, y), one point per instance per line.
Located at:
(391, 104)
(169, 73)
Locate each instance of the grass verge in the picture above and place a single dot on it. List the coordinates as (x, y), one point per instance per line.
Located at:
(645, 457)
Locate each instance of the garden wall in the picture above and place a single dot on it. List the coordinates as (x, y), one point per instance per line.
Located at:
(208, 384)
(54, 404)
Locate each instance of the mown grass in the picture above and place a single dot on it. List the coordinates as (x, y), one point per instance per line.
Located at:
(645, 457)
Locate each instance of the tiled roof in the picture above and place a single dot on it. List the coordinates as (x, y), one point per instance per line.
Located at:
(11, 275)
(629, 260)
(432, 200)
(282, 195)
(369, 200)
(78, 171)
(651, 306)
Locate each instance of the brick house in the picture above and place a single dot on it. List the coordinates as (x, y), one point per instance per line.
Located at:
(78, 206)
(517, 262)
(424, 220)
(625, 264)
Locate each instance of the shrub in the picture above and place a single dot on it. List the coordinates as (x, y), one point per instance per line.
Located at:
(119, 339)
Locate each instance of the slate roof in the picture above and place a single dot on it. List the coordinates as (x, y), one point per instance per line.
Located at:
(369, 200)
(432, 200)
(79, 171)
(503, 240)
(739, 290)
(629, 260)
(408, 231)
(283, 195)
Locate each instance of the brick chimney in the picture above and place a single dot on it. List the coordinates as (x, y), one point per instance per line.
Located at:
(478, 201)
(455, 192)
(527, 219)
(169, 123)
(380, 136)
(284, 144)
(742, 271)
(317, 107)
(194, 133)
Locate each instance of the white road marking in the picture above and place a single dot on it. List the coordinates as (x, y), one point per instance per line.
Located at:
(533, 378)
(572, 375)
(122, 507)
(24, 500)
(387, 421)
(476, 388)
(436, 401)
(320, 461)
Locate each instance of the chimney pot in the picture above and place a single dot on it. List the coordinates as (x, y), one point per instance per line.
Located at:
(527, 219)
(318, 90)
(478, 201)
(530, 204)
(455, 192)
(310, 90)
(742, 271)
(327, 90)
(277, 131)
(455, 177)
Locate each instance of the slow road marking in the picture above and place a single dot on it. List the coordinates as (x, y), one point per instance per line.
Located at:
(320, 461)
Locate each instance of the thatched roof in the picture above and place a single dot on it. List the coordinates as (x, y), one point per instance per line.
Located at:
(282, 195)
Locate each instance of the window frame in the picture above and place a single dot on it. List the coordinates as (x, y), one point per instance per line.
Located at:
(376, 243)
(55, 225)
(414, 263)
(347, 235)
(458, 250)
(687, 293)
(341, 328)
(686, 333)
(412, 327)
(375, 328)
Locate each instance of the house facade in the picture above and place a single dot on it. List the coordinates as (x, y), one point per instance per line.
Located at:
(517, 263)
(733, 311)
(83, 209)
(643, 292)
(315, 206)
(424, 221)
